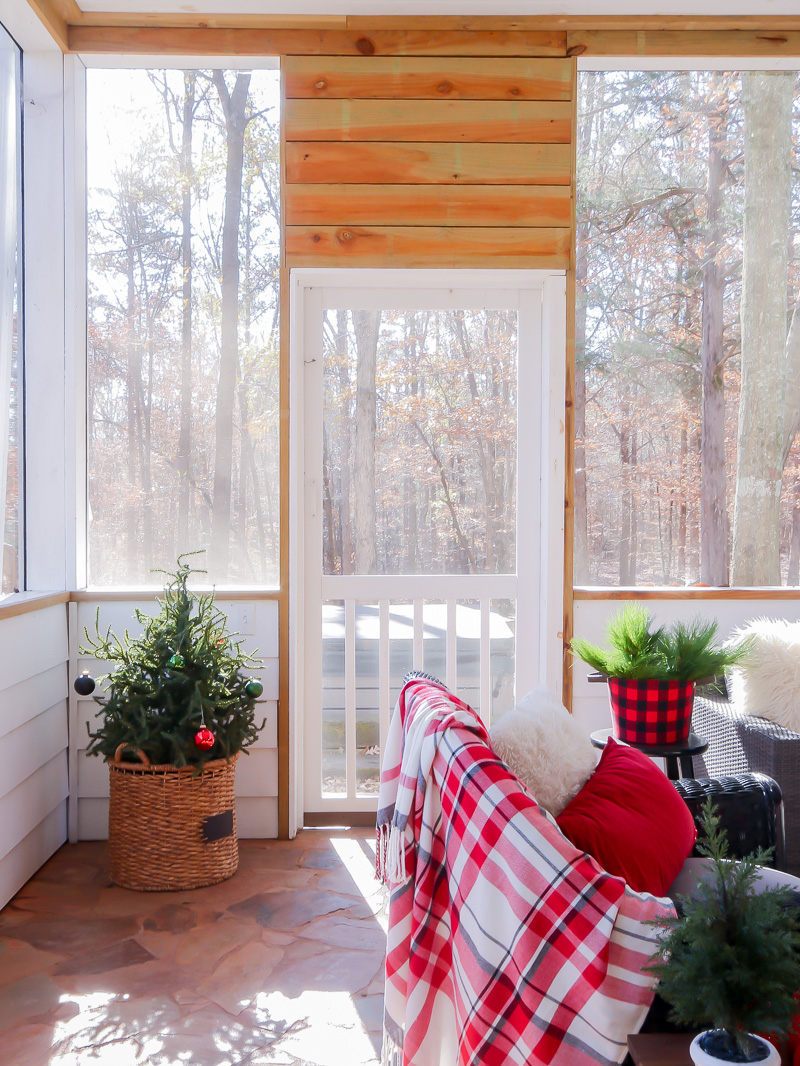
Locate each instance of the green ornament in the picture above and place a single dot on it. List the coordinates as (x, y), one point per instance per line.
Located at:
(176, 661)
(254, 689)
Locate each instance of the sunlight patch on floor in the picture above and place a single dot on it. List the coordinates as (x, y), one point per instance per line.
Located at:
(322, 1027)
(356, 860)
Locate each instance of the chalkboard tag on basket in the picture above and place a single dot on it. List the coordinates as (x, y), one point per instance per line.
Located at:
(218, 826)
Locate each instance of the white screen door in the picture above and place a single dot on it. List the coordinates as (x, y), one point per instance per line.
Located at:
(426, 456)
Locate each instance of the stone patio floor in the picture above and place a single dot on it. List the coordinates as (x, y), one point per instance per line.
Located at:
(282, 965)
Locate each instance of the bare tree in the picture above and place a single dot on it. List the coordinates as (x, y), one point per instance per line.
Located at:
(714, 523)
(183, 457)
(234, 109)
(367, 326)
(767, 101)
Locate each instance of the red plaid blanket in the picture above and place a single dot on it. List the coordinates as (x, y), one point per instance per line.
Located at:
(506, 944)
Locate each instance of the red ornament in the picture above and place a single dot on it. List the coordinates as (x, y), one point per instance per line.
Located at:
(204, 738)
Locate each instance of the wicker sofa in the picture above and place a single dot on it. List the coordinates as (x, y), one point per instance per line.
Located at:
(742, 743)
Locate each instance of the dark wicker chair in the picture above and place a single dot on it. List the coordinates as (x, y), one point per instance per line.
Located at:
(741, 743)
(750, 808)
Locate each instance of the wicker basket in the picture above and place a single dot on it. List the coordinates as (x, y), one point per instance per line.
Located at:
(158, 824)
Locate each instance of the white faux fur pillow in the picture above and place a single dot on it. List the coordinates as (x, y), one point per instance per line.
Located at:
(546, 748)
(767, 681)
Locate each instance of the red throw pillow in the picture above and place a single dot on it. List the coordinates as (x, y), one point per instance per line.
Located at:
(629, 818)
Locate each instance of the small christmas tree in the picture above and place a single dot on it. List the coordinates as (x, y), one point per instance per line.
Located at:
(731, 960)
(178, 692)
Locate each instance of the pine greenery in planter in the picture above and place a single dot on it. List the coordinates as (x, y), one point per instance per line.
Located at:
(731, 959)
(178, 692)
(638, 651)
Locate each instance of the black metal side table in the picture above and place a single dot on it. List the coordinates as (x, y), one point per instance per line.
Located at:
(678, 757)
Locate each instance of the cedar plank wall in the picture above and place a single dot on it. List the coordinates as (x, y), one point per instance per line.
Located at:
(425, 161)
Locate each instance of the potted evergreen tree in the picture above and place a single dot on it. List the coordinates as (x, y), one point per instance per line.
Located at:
(652, 672)
(177, 712)
(730, 960)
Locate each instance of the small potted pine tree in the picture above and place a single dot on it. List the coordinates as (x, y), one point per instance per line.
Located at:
(652, 672)
(177, 712)
(730, 959)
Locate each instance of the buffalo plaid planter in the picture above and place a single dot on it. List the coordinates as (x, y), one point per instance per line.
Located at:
(651, 712)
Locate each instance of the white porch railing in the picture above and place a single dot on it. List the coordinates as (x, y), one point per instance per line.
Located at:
(368, 646)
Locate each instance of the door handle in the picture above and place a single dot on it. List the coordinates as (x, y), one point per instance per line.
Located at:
(313, 502)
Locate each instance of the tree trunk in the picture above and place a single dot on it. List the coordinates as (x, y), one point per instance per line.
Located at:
(625, 525)
(485, 459)
(767, 102)
(793, 575)
(682, 508)
(367, 327)
(183, 459)
(791, 422)
(234, 106)
(581, 562)
(714, 524)
(345, 522)
(581, 573)
(134, 373)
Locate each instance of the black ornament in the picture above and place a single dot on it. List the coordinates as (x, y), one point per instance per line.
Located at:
(85, 685)
(253, 689)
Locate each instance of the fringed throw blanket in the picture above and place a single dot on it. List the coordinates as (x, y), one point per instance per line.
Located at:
(506, 944)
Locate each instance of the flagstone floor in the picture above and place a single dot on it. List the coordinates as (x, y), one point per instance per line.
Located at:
(282, 965)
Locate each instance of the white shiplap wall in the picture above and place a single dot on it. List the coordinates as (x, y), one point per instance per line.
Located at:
(33, 743)
(256, 772)
(590, 701)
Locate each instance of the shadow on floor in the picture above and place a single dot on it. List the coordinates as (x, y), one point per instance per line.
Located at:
(281, 965)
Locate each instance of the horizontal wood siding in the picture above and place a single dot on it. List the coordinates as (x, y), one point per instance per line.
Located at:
(33, 742)
(425, 246)
(429, 79)
(256, 771)
(373, 148)
(430, 205)
(345, 163)
(472, 121)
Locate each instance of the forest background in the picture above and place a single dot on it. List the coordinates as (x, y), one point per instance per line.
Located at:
(688, 330)
(688, 348)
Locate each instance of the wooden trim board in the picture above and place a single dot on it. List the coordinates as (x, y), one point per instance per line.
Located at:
(28, 602)
(569, 418)
(687, 592)
(688, 43)
(149, 40)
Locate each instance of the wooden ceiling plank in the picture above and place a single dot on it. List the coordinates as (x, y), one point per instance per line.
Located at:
(528, 121)
(427, 205)
(417, 163)
(182, 20)
(420, 78)
(147, 40)
(53, 21)
(687, 44)
(483, 23)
